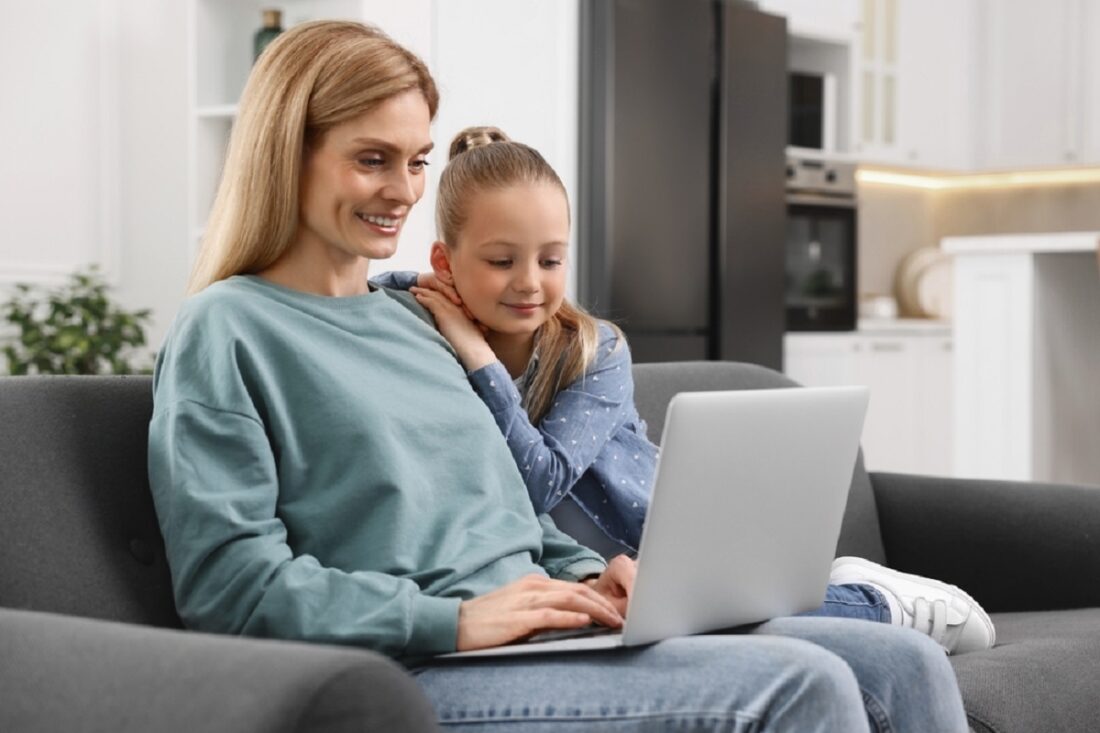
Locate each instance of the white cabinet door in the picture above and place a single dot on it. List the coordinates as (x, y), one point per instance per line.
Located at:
(1028, 114)
(935, 83)
(1090, 81)
(889, 367)
(821, 360)
(908, 423)
(994, 374)
(936, 396)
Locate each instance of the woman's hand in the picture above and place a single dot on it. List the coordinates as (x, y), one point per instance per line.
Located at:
(529, 605)
(462, 333)
(616, 583)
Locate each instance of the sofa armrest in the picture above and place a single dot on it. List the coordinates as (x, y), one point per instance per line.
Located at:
(68, 673)
(1014, 546)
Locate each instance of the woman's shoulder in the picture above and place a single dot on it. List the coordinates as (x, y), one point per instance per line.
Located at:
(219, 306)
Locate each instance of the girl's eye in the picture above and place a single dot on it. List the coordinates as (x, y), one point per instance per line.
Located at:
(499, 263)
(551, 264)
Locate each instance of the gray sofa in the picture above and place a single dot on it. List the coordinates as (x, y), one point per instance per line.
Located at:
(89, 638)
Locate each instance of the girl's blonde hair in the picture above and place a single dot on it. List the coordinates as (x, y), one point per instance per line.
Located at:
(310, 79)
(484, 158)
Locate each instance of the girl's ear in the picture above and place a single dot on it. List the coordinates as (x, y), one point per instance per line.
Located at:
(440, 260)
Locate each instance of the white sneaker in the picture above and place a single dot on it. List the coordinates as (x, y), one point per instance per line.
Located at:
(947, 614)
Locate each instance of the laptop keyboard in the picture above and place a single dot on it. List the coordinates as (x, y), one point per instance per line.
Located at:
(581, 633)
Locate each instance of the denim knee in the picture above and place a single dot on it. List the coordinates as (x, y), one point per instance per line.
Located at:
(819, 692)
(922, 685)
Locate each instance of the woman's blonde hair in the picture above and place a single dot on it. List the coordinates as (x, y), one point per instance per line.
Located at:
(310, 79)
(484, 158)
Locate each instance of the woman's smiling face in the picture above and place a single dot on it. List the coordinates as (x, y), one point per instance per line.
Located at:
(360, 182)
(509, 263)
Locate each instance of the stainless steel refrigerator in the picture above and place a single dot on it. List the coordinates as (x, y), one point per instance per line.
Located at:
(681, 212)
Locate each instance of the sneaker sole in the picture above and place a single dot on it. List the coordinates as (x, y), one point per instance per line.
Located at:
(871, 569)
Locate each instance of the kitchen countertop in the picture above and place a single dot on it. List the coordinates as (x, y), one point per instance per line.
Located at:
(1022, 243)
(908, 326)
(885, 327)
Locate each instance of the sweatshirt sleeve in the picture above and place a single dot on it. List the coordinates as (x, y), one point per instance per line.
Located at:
(215, 485)
(563, 558)
(580, 422)
(395, 279)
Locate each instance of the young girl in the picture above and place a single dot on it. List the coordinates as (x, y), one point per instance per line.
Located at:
(558, 381)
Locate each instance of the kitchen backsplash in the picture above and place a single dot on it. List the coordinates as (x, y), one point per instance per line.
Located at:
(894, 221)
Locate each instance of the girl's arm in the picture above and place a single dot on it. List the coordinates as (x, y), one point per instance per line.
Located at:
(396, 280)
(582, 419)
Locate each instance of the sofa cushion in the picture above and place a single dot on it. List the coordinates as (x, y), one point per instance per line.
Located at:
(655, 385)
(1040, 676)
(78, 533)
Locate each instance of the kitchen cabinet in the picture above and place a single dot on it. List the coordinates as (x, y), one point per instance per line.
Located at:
(1034, 66)
(1090, 84)
(1027, 339)
(914, 84)
(935, 84)
(909, 373)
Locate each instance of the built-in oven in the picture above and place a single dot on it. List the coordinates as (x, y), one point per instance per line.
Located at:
(820, 282)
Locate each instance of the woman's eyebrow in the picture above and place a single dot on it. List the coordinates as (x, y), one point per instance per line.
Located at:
(374, 142)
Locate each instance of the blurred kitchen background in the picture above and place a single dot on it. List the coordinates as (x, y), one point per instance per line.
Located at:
(899, 193)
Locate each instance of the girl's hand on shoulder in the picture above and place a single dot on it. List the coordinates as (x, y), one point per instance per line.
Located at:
(429, 281)
(461, 332)
(529, 605)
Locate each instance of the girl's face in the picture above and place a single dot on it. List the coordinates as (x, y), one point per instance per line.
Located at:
(359, 184)
(509, 261)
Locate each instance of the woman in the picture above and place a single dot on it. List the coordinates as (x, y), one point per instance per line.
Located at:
(323, 471)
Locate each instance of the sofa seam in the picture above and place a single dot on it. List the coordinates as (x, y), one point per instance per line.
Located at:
(989, 726)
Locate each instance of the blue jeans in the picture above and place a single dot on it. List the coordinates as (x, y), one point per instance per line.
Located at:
(853, 601)
(791, 674)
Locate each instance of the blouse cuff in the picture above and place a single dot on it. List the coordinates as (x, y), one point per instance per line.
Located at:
(495, 387)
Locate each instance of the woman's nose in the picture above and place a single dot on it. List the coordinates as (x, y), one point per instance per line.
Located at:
(402, 187)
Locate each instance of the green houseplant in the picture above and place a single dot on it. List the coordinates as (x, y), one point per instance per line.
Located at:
(74, 328)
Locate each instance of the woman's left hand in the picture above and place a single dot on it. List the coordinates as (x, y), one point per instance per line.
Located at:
(463, 334)
(616, 583)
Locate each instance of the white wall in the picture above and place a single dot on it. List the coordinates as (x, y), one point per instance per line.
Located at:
(59, 174)
(94, 135)
(94, 139)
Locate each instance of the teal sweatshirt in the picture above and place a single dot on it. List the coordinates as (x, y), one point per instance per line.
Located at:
(322, 470)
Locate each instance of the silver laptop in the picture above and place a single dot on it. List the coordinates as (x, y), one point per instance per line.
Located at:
(750, 491)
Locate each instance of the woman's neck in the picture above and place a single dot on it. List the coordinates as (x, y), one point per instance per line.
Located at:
(319, 273)
(513, 350)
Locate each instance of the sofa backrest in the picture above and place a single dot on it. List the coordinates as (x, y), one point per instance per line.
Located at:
(78, 533)
(655, 384)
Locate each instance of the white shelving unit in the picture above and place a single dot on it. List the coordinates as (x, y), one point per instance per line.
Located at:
(510, 63)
